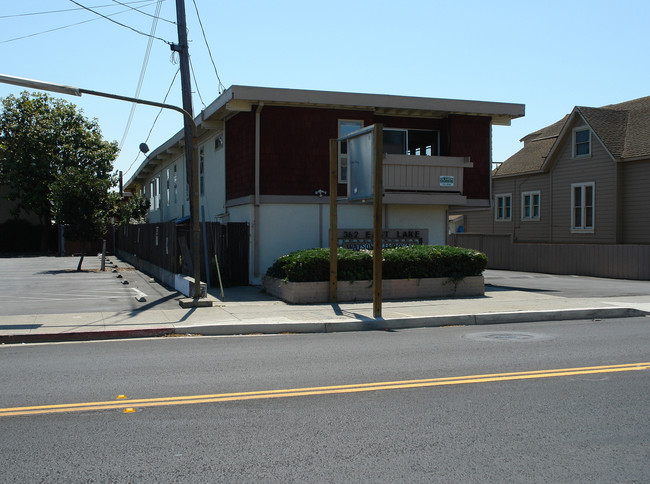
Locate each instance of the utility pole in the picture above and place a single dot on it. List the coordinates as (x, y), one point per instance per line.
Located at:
(191, 144)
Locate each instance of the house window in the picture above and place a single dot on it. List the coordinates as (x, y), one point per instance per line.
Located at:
(581, 142)
(530, 205)
(415, 142)
(345, 127)
(582, 207)
(503, 207)
(201, 172)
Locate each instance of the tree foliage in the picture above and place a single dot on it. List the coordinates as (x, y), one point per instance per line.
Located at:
(43, 141)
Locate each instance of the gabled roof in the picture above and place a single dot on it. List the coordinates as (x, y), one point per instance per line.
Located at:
(624, 130)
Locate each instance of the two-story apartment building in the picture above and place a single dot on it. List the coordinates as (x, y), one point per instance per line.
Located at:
(264, 160)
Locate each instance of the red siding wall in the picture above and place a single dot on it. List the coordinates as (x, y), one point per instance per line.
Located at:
(294, 149)
(240, 155)
(470, 136)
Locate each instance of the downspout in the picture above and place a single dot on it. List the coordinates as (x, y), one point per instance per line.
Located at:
(256, 201)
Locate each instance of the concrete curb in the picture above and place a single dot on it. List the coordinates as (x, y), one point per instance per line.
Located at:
(334, 326)
(406, 323)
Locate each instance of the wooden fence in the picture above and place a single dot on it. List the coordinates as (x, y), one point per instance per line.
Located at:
(621, 261)
(167, 245)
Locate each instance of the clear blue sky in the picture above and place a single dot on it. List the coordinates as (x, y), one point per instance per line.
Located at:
(549, 55)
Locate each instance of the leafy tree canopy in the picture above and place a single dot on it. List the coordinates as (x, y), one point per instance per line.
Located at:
(44, 140)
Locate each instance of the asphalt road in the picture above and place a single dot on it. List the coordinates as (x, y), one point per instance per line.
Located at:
(586, 425)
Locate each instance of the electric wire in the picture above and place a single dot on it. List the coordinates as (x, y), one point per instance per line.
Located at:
(221, 87)
(143, 71)
(64, 26)
(155, 120)
(156, 16)
(119, 23)
(196, 84)
(28, 14)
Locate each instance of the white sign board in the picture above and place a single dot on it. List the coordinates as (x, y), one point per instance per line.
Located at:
(361, 156)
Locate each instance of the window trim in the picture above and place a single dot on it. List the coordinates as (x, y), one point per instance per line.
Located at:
(503, 218)
(532, 216)
(574, 144)
(583, 229)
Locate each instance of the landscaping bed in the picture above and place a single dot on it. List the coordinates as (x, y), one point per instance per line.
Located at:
(407, 272)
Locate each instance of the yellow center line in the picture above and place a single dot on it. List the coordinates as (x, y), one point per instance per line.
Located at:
(322, 390)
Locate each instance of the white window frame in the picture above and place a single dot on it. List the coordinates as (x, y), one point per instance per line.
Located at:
(154, 199)
(167, 193)
(344, 156)
(502, 217)
(531, 215)
(582, 228)
(574, 143)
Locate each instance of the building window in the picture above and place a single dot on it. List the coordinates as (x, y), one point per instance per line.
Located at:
(345, 127)
(154, 194)
(218, 142)
(503, 207)
(167, 195)
(530, 205)
(581, 142)
(415, 142)
(201, 172)
(175, 186)
(582, 206)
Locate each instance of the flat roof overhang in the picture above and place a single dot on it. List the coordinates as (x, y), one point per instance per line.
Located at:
(242, 98)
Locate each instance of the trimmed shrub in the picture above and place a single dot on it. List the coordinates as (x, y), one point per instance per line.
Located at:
(413, 262)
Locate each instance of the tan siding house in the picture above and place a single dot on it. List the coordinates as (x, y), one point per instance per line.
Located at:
(582, 181)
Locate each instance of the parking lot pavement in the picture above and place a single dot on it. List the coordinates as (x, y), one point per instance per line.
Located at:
(51, 285)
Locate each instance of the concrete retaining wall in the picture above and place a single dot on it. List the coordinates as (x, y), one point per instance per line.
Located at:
(318, 292)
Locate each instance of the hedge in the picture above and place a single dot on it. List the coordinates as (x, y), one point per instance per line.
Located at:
(413, 262)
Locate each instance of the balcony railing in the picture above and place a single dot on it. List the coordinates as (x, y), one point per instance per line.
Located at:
(433, 174)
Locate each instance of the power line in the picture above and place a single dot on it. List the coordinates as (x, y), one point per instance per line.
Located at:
(156, 16)
(221, 87)
(155, 120)
(118, 23)
(28, 14)
(196, 83)
(143, 70)
(61, 28)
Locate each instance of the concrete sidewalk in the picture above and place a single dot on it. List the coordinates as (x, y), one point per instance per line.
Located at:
(247, 310)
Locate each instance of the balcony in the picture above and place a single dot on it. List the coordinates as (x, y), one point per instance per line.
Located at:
(436, 180)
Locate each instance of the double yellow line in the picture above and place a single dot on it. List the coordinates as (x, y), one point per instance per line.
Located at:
(128, 404)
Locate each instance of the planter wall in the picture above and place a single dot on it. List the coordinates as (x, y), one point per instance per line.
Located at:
(318, 292)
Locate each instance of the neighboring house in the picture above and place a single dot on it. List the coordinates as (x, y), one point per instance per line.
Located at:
(582, 180)
(264, 160)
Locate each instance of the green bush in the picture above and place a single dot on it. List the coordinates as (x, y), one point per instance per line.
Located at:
(414, 262)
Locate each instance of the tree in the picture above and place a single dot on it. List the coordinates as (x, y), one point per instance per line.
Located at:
(82, 203)
(131, 211)
(44, 140)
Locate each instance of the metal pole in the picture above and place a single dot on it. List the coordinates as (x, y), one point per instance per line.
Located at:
(191, 144)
